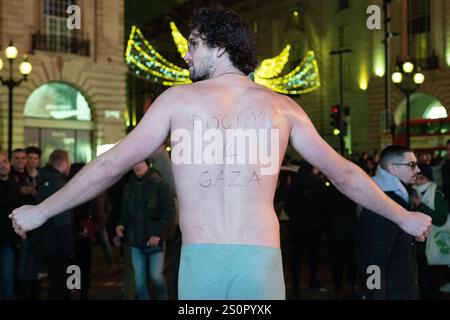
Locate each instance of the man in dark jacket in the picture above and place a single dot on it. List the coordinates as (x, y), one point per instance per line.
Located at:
(305, 222)
(148, 210)
(386, 257)
(29, 264)
(339, 216)
(54, 239)
(9, 193)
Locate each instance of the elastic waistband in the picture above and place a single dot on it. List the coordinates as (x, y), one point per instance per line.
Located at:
(228, 247)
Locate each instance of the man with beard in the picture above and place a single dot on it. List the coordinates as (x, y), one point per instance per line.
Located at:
(230, 231)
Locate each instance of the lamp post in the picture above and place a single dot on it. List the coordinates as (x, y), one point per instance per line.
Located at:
(341, 52)
(25, 68)
(408, 82)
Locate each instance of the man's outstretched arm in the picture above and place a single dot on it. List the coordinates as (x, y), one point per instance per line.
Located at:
(349, 178)
(106, 169)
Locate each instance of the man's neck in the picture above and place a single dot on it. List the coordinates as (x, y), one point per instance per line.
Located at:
(230, 69)
(4, 178)
(58, 169)
(32, 172)
(141, 174)
(19, 171)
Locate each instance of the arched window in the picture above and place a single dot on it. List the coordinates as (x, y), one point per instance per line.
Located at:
(58, 116)
(435, 112)
(423, 106)
(58, 101)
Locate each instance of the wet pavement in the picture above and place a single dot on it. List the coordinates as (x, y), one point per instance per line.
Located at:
(108, 283)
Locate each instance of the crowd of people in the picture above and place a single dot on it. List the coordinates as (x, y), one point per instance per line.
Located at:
(230, 233)
(138, 215)
(356, 238)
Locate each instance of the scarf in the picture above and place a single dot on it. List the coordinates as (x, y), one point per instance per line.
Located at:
(388, 182)
(427, 193)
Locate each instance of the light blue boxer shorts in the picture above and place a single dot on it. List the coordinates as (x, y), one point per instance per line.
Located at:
(230, 272)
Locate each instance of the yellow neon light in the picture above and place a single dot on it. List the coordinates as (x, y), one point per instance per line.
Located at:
(180, 41)
(148, 64)
(272, 67)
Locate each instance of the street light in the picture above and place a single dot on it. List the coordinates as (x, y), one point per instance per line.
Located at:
(408, 82)
(25, 69)
(408, 67)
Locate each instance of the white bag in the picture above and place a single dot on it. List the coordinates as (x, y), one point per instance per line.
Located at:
(438, 245)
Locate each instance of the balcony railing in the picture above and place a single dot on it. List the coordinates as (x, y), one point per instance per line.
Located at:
(429, 63)
(60, 43)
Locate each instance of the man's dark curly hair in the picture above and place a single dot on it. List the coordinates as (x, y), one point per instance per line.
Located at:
(223, 28)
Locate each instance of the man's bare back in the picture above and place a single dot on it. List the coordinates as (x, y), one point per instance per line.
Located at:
(229, 136)
(229, 202)
(223, 202)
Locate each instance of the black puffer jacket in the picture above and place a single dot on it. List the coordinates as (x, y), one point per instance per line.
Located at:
(148, 208)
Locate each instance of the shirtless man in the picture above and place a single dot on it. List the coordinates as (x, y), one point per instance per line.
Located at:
(231, 243)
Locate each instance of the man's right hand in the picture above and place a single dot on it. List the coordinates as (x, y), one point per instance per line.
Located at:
(27, 218)
(417, 224)
(119, 230)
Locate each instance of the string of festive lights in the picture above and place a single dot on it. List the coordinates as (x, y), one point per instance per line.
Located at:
(268, 68)
(148, 64)
(304, 78)
(272, 67)
(180, 41)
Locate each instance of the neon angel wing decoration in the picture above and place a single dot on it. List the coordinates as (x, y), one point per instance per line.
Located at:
(147, 63)
(304, 78)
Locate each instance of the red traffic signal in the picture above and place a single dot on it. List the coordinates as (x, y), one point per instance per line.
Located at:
(336, 109)
(336, 117)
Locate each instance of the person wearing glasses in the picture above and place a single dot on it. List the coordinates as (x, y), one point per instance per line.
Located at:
(386, 258)
(225, 187)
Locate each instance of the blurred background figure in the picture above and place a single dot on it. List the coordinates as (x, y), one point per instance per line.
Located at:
(18, 164)
(54, 239)
(431, 201)
(84, 230)
(30, 265)
(148, 210)
(9, 194)
(302, 199)
(339, 216)
(115, 198)
(161, 163)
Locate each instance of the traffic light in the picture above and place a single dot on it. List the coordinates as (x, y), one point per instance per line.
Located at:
(336, 119)
(344, 124)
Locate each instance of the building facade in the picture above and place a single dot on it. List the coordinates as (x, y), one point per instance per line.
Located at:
(422, 35)
(75, 97)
